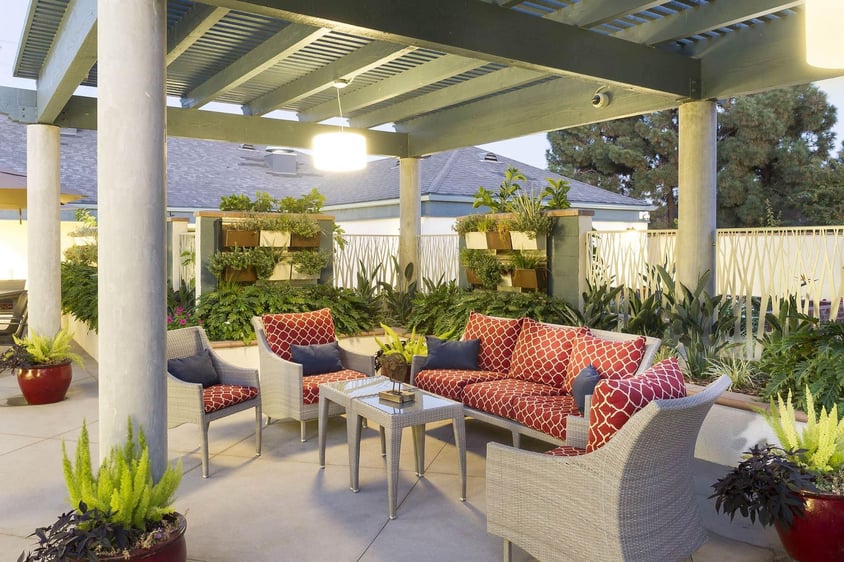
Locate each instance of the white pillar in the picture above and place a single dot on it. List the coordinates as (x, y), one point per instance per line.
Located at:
(697, 192)
(43, 186)
(132, 202)
(410, 214)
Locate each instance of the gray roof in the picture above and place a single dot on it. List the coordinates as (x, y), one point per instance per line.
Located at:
(199, 172)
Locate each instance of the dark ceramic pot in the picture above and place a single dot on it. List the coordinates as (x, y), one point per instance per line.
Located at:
(394, 367)
(817, 536)
(171, 549)
(45, 385)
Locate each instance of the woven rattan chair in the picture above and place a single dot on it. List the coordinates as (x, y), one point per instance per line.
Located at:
(631, 499)
(283, 386)
(16, 321)
(191, 403)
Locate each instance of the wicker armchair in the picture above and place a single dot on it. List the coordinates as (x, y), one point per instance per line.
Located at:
(191, 403)
(286, 393)
(631, 499)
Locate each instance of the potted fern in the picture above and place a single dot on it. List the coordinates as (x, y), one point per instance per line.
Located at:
(396, 352)
(119, 513)
(42, 365)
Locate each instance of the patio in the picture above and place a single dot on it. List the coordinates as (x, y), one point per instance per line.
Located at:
(281, 506)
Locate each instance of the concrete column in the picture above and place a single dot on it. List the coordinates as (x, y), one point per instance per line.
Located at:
(410, 214)
(132, 201)
(697, 190)
(43, 186)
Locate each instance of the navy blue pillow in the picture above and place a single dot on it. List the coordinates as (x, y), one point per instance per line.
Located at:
(317, 359)
(443, 354)
(584, 384)
(197, 368)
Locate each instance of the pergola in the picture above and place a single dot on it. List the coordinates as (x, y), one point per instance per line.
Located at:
(445, 73)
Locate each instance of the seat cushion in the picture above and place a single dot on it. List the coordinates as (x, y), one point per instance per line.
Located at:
(615, 401)
(542, 352)
(547, 414)
(300, 328)
(498, 340)
(612, 359)
(219, 396)
(310, 385)
(451, 382)
(497, 397)
(566, 451)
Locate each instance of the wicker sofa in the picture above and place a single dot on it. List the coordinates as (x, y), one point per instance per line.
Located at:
(525, 370)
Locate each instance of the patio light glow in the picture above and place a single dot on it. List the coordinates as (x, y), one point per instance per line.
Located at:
(339, 152)
(824, 40)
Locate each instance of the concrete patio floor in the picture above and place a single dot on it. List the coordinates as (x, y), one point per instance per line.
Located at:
(282, 506)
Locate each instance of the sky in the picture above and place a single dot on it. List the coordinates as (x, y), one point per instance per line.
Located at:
(528, 149)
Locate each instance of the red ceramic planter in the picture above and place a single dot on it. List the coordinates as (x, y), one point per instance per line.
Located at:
(818, 536)
(45, 385)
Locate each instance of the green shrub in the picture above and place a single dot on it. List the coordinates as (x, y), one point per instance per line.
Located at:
(85, 254)
(79, 292)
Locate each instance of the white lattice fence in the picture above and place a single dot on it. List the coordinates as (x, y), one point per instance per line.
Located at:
(439, 257)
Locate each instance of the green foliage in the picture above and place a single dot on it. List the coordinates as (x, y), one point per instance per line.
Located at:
(123, 486)
(469, 223)
(744, 373)
(310, 262)
(599, 307)
(807, 358)
(397, 297)
(557, 193)
(527, 260)
(263, 202)
(485, 265)
(311, 202)
(263, 259)
(301, 225)
(498, 201)
(787, 320)
(407, 346)
(366, 290)
(235, 202)
(36, 350)
(85, 254)
(528, 216)
(79, 293)
(647, 316)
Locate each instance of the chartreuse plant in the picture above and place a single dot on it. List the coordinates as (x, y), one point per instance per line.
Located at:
(407, 346)
(123, 486)
(45, 350)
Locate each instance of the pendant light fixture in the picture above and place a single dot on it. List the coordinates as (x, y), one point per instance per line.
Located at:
(341, 151)
(824, 40)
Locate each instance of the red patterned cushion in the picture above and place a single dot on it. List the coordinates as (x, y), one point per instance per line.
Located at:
(496, 397)
(545, 413)
(566, 451)
(219, 396)
(498, 340)
(542, 352)
(612, 359)
(310, 385)
(615, 401)
(450, 382)
(298, 328)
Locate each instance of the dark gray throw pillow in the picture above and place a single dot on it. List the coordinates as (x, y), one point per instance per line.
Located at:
(317, 359)
(584, 384)
(197, 368)
(444, 354)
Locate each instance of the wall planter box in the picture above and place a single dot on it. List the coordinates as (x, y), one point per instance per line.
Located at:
(472, 278)
(476, 240)
(498, 241)
(241, 238)
(521, 241)
(536, 279)
(275, 238)
(286, 272)
(297, 241)
(240, 275)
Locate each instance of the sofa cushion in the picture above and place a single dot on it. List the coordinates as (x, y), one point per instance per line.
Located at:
(219, 396)
(300, 328)
(547, 414)
(498, 340)
(310, 385)
(542, 352)
(318, 358)
(198, 369)
(565, 451)
(615, 401)
(450, 382)
(583, 385)
(443, 354)
(612, 359)
(496, 397)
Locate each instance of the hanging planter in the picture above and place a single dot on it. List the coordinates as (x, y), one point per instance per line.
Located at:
(287, 272)
(240, 275)
(275, 238)
(240, 238)
(476, 240)
(522, 241)
(496, 240)
(536, 279)
(297, 241)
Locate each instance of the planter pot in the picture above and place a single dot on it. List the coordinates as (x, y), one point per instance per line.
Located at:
(45, 385)
(240, 275)
(172, 549)
(498, 241)
(286, 272)
(476, 240)
(240, 238)
(275, 238)
(818, 535)
(297, 241)
(521, 241)
(536, 279)
(472, 278)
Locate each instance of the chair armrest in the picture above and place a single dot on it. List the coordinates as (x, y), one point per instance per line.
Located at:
(416, 365)
(577, 431)
(358, 362)
(232, 374)
(184, 401)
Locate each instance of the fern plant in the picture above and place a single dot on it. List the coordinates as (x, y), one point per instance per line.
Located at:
(123, 486)
(36, 350)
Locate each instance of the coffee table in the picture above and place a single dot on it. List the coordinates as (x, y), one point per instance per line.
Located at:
(426, 408)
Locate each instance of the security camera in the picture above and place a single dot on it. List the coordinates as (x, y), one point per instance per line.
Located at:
(600, 99)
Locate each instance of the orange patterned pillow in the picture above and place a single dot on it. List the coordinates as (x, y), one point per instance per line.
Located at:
(498, 339)
(612, 359)
(298, 328)
(542, 352)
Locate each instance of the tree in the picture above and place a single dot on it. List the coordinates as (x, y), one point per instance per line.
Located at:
(774, 159)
